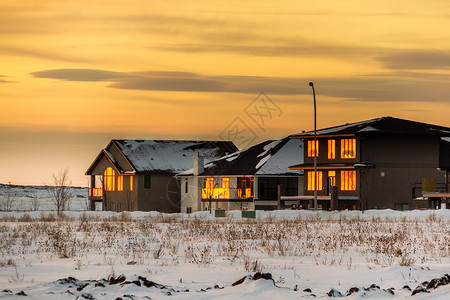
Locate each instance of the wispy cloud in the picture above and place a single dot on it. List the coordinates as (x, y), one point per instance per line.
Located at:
(378, 88)
(420, 59)
(81, 74)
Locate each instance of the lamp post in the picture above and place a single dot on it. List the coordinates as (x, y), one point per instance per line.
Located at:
(311, 84)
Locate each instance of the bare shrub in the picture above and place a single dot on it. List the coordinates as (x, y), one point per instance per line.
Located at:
(8, 200)
(60, 192)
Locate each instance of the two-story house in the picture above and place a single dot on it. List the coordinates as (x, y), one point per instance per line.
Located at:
(374, 163)
(130, 175)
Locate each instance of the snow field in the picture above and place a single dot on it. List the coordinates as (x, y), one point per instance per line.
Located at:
(301, 249)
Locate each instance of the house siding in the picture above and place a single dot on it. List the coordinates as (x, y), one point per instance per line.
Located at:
(162, 196)
(400, 162)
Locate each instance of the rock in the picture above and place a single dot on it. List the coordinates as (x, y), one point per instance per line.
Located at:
(390, 291)
(308, 290)
(352, 291)
(86, 296)
(99, 284)
(334, 293)
(432, 283)
(6, 291)
(419, 289)
(119, 279)
(240, 281)
(266, 276)
(21, 293)
(82, 286)
(406, 287)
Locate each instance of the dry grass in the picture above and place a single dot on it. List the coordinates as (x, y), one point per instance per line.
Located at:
(170, 240)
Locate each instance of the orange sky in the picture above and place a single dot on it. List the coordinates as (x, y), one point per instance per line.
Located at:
(75, 74)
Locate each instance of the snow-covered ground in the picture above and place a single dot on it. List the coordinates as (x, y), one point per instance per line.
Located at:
(30, 198)
(81, 255)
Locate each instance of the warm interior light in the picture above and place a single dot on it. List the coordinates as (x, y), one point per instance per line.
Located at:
(211, 192)
(348, 180)
(120, 183)
(348, 148)
(109, 179)
(331, 149)
(310, 186)
(311, 149)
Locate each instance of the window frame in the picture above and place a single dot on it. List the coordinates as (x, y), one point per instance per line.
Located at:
(348, 145)
(310, 182)
(311, 150)
(109, 180)
(147, 181)
(332, 149)
(347, 182)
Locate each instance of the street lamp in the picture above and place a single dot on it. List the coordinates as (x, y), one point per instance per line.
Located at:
(311, 84)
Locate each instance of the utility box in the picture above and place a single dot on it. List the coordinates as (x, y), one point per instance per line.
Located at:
(219, 213)
(251, 214)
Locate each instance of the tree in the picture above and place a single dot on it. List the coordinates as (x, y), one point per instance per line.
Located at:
(60, 191)
(8, 200)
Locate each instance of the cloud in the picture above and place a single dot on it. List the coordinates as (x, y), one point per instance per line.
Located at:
(421, 59)
(80, 74)
(402, 86)
(25, 51)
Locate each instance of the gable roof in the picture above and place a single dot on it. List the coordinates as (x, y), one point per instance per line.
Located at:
(166, 156)
(267, 158)
(379, 126)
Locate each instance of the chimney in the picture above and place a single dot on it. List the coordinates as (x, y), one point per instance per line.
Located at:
(198, 164)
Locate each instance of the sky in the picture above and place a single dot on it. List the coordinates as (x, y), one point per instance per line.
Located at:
(75, 74)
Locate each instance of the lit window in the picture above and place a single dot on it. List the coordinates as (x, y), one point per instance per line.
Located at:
(348, 180)
(312, 149)
(332, 177)
(109, 179)
(331, 149)
(120, 183)
(311, 181)
(215, 192)
(131, 183)
(348, 148)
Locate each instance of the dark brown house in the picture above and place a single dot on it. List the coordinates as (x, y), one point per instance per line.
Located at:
(130, 175)
(378, 163)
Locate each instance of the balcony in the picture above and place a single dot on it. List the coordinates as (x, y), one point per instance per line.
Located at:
(95, 193)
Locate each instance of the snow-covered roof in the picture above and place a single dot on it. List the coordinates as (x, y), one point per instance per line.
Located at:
(381, 126)
(265, 159)
(168, 155)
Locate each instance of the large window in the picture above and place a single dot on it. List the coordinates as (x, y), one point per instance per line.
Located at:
(331, 149)
(311, 181)
(147, 181)
(348, 180)
(109, 179)
(214, 191)
(348, 148)
(120, 183)
(312, 151)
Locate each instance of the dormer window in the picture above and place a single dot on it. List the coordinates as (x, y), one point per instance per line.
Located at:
(312, 150)
(348, 148)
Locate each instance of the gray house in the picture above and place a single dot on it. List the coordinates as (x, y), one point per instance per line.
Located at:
(247, 179)
(131, 175)
(379, 163)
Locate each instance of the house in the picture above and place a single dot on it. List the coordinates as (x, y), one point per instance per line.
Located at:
(378, 163)
(246, 179)
(139, 174)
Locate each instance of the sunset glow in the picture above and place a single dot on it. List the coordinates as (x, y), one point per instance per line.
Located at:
(76, 74)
